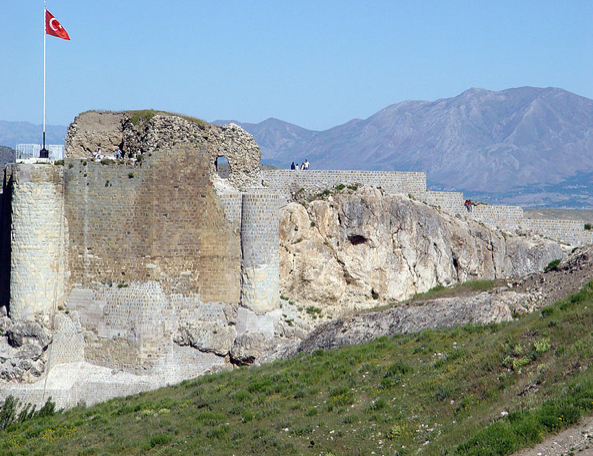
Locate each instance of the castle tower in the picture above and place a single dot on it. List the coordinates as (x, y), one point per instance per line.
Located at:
(260, 241)
(36, 245)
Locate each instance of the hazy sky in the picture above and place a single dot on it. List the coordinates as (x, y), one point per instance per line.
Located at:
(313, 63)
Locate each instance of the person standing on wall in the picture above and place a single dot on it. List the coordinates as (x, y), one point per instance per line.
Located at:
(306, 164)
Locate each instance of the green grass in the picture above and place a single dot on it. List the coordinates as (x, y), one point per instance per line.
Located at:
(142, 116)
(461, 289)
(440, 390)
(552, 265)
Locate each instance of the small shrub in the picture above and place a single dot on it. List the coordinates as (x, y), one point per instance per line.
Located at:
(131, 176)
(59, 163)
(312, 224)
(552, 265)
(547, 311)
(313, 311)
(70, 165)
(353, 187)
(142, 116)
(340, 187)
(399, 367)
(160, 439)
(8, 413)
(588, 226)
(379, 404)
(521, 362)
(312, 411)
(542, 345)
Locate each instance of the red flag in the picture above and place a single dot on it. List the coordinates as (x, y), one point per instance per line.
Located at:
(54, 28)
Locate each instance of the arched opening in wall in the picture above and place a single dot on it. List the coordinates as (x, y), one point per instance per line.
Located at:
(222, 167)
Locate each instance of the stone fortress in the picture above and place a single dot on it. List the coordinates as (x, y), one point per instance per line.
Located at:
(120, 276)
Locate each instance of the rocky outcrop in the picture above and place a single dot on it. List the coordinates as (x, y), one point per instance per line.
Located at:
(530, 293)
(137, 133)
(362, 248)
(23, 348)
(446, 312)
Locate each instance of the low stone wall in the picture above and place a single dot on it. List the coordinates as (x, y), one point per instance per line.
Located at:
(509, 217)
(569, 231)
(287, 181)
(446, 201)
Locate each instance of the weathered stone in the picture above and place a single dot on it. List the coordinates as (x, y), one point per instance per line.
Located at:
(140, 137)
(207, 337)
(365, 248)
(28, 330)
(248, 347)
(94, 130)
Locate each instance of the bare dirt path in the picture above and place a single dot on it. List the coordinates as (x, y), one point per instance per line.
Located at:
(577, 441)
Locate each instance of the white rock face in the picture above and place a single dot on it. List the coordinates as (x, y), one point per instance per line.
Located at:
(363, 248)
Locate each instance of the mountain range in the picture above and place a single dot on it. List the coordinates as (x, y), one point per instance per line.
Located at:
(13, 133)
(530, 146)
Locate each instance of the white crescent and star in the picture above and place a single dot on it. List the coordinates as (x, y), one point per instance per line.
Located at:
(51, 25)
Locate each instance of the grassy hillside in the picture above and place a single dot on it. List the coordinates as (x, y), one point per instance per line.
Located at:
(474, 390)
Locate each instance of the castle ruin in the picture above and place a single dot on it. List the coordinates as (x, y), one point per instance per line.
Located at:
(121, 257)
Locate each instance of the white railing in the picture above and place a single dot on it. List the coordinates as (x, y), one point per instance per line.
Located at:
(24, 151)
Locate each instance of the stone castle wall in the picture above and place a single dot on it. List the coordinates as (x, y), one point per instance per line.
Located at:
(37, 250)
(509, 217)
(285, 181)
(446, 201)
(260, 241)
(289, 182)
(161, 221)
(138, 255)
(144, 254)
(569, 231)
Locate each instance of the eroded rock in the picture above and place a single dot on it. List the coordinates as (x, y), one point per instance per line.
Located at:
(363, 248)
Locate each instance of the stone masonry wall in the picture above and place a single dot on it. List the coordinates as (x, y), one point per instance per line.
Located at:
(286, 181)
(508, 217)
(160, 221)
(569, 231)
(447, 201)
(260, 241)
(37, 253)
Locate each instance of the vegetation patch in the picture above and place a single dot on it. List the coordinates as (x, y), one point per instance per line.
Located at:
(472, 390)
(552, 265)
(461, 289)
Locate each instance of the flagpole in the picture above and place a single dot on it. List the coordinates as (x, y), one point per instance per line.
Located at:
(43, 153)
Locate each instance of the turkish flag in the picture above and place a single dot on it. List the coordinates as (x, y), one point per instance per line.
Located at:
(54, 28)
